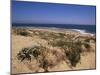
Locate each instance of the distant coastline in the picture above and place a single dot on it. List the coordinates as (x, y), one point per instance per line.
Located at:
(80, 28)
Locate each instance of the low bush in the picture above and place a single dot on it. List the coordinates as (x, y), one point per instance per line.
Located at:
(73, 54)
(26, 53)
(87, 45)
(72, 49)
(21, 31)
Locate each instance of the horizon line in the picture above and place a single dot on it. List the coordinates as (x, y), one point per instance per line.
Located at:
(53, 23)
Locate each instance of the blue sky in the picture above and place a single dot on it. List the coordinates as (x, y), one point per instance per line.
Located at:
(50, 13)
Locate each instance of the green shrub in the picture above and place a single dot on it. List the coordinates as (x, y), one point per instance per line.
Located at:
(26, 53)
(21, 31)
(87, 45)
(72, 49)
(74, 57)
(73, 54)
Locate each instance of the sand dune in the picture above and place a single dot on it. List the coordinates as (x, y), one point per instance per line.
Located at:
(87, 60)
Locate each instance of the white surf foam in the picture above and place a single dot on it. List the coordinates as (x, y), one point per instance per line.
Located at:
(83, 32)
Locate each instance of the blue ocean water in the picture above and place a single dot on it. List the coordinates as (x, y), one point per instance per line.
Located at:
(86, 28)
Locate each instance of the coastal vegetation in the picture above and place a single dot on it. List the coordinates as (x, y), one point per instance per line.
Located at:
(60, 46)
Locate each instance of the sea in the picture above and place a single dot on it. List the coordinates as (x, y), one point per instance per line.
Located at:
(81, 28)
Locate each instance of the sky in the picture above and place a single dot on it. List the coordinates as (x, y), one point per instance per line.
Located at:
(52, 13)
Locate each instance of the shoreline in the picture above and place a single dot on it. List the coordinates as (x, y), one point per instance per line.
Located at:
(81, 31)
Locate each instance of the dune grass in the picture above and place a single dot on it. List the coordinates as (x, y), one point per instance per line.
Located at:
(47, 57)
